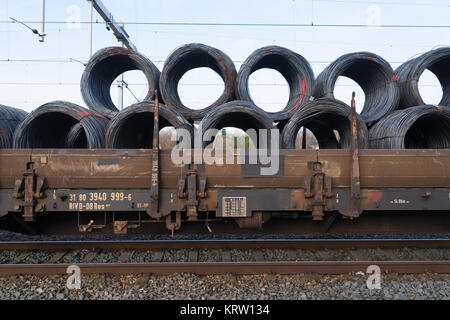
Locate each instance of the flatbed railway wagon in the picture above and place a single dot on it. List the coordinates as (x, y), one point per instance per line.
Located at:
(34, 182)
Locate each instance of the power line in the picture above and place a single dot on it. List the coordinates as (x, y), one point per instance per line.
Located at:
(422, 4)
(180, 84)
(80, 60)
(217, 24)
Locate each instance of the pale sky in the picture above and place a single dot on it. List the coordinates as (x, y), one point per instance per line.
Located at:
(33, 73)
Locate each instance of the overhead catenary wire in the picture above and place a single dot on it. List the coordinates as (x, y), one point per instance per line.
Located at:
(418, 127)
(244, 24)
(322, 117)
(372, 73)
(293, 67)
(188, 57)
(49, 126)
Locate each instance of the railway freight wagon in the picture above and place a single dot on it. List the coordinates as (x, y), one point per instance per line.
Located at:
(312, 182)
(73, 161)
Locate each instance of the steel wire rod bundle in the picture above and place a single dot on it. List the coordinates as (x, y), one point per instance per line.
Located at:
(322, 117)
(408, 74)
(293, 67)
(105, 66)
(419, 127)
(372, 73)
(49, 126)
(238, 114)
(76, 138)
(10, 118)
(188, 57)
(132, 127)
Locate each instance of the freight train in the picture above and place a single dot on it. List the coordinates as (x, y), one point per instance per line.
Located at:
(392, 157)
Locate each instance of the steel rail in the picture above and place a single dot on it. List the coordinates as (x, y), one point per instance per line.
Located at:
(227, 244)
(278, 267)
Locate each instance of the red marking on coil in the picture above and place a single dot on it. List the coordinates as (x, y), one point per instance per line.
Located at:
(82, 114)
(394, 77)
(304, 87)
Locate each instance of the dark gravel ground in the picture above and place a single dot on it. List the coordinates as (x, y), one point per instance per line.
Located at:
(214, 255)
(256, 287)
(12, 236)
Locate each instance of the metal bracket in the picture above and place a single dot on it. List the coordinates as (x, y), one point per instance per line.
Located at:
(172, 226)
(202, 188)
(18, 188)
(120, 227)
(192, 201)
(90, 226)
(181, 187)
(27, 190)
(192, 188)
(154, 188)
(39, 187)
(355, 183)
(28, 194)
(318, 188)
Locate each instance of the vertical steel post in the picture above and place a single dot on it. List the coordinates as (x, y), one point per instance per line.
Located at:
(304, 138)
(120, 84)
(355, 184)
(154, 189)
(42, 27)
(91, 8)
(120, 92)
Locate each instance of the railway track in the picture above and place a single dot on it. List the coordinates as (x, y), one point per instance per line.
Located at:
(279, 267)
(230, 244)
(323, 259)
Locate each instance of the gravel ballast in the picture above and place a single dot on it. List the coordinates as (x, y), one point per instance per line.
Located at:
(254, 287)
(213, 255)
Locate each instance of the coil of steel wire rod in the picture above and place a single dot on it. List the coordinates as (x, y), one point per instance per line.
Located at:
(418, 127)
(188, 57)
(293, 67)
(238, 114)
(322, 117)
(49, 126)
(408, 74)
(76, 138)
(372, 73)
(133, 126)
(105, 66)
(10, 118)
